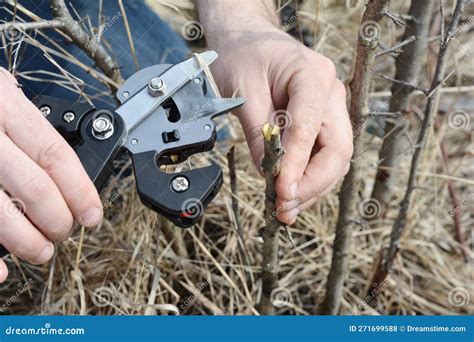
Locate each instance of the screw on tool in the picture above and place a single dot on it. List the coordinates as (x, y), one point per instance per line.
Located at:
(102, 127)
(68, 117)
(156, 86)
(180, 184)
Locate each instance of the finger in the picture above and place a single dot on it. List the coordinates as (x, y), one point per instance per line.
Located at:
(253, 116)
(289, 216)
(335, 143)
(19, 236)
(3, 271)
(305, 105)
(24, 179)
(23, 123)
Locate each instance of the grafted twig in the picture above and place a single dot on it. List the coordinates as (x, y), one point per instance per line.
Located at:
(85, 42)
(271, 168)
(360, 87)
(408, 66)
(385, 266)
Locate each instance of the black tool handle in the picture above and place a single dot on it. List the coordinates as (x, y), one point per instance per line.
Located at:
(183, 208)
(73, 120)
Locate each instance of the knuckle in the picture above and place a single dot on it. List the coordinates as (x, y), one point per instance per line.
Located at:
(53, 155)
(340, 88)
(61, 231)
(36, 188)
(29, 249)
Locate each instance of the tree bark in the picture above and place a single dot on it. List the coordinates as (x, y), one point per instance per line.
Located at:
(271, 169)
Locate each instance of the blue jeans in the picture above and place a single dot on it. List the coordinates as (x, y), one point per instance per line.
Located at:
(154, 42)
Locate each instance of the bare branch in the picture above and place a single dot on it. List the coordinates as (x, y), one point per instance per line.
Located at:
(348, 196)
(397, 48)
(35, 25)
(410, 86)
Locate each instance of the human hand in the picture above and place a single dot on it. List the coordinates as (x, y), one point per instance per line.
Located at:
(46, 182)
(282, 80)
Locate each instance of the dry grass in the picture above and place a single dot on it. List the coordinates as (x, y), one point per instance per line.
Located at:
(135, 263)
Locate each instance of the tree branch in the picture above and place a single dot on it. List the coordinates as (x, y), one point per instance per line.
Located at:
(348, 196)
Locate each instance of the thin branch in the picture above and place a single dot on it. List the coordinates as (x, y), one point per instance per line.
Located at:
(386, 265)
(410, 86)
(85, 42)
(397, 48)
(349, 194)
(234, 190)
(453, 193)
(271, 169)
(395, 18)
(35, 25)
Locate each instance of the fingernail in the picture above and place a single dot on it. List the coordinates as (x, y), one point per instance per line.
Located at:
(294, 190)
(290, 205)
(45, 255)
(92, 217)
(292, 215)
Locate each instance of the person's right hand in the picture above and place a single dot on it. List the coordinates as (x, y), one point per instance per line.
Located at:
(42, 176)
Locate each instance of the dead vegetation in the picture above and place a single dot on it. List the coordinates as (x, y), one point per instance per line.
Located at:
(135, 263)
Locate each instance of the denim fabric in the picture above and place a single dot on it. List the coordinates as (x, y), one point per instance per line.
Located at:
(154, 40)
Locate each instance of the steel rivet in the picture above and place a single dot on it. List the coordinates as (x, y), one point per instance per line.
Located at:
(46, 110)
(180, 184)
(69, 117)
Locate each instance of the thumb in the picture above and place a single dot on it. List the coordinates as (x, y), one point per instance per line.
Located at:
(253, 116)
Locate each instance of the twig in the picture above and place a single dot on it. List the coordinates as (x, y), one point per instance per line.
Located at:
(360, 87)
(385, 266)
(233, 189)
(453, 193)
(410, 86)
(271, 168)
(397, 48)
(35, 25)
(395, 18)
(79, 37)
(386, 114)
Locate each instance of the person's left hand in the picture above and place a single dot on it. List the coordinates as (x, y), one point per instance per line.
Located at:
(281, 79)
